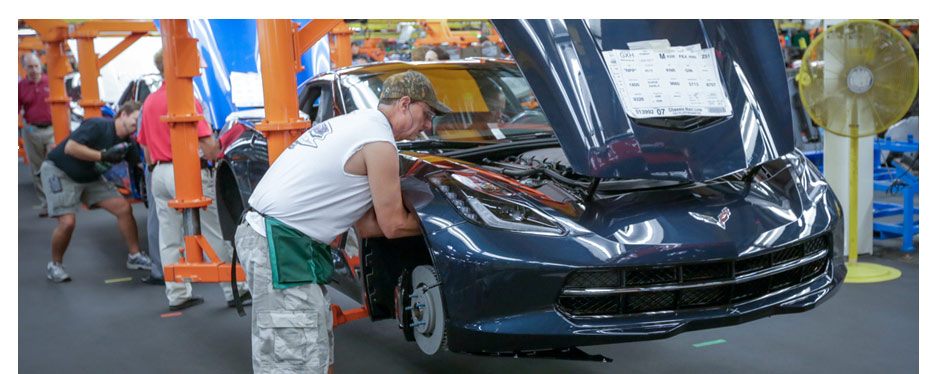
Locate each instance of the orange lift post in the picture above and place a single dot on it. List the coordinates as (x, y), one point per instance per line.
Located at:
(54, 33)
(341, 45)
(281, 45)
(89, 64)
(438, 32)
(181, 62)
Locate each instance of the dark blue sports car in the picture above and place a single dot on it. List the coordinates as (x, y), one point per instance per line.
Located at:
(553, 219)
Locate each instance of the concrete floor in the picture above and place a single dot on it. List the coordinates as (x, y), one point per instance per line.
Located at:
(89, 326)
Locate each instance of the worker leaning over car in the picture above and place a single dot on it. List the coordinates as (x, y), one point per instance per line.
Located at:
(339, 173)
(71, 175)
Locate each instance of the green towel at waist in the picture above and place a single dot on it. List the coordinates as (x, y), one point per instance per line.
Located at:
(296, 259)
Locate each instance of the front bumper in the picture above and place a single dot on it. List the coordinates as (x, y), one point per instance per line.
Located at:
(553, 329)
(502, 290)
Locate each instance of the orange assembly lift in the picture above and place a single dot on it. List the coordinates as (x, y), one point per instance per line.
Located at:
(281, 43)
(181, 64)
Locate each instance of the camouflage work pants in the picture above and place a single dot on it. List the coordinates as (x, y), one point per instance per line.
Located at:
(291, 329)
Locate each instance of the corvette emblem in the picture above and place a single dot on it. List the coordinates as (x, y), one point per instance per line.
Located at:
(720, 220)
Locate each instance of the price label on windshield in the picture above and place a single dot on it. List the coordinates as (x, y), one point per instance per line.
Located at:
(668, 82)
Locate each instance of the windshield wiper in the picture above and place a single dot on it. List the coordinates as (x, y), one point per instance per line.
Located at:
(440, 144)
(533, 135)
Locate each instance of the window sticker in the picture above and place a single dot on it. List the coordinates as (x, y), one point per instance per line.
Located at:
(663, 81)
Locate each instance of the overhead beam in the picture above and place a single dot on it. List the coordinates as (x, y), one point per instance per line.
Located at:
(97, 28)
(312, 32)
(119, 48)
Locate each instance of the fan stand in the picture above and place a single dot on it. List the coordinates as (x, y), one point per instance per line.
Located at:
(860, 272)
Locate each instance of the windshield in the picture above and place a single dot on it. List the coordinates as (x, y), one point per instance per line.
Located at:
(491, 102)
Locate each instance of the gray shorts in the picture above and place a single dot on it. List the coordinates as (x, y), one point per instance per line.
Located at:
(291, 328)
(63, 195)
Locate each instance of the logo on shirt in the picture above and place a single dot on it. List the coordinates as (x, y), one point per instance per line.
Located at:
(313, 136)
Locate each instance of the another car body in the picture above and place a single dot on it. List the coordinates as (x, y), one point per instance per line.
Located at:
(562, 222)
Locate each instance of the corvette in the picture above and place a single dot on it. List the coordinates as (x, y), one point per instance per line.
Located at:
(551, 219)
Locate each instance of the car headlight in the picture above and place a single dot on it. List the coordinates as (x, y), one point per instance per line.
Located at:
(486, 203)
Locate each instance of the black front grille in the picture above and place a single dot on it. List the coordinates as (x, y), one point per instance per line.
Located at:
(707, 272)
(591, 305)
(642, 277)
(649, 301)
(711, 296)
(594, 279)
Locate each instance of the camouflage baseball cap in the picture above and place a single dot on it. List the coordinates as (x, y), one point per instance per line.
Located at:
(415, 85)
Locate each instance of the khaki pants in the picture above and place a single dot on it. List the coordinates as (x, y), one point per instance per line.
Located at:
(291, 328)
(66, 195)
(171, 234)
(38, 142)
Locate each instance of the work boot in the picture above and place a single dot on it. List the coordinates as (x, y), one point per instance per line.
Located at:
(138, 261)
(153, 281)
(187, 304)
(56, 272)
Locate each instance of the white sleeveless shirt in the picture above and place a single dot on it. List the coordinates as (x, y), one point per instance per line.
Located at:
(307, 187)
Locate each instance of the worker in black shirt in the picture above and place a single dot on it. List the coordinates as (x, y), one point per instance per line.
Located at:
(71, 175)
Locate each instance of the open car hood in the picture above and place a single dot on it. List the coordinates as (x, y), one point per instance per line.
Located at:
(563, 62)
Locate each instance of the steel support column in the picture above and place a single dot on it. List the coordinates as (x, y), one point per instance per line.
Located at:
(58, 98)
(181, 64)
(88, 68)
(341, 55)
(278, 66)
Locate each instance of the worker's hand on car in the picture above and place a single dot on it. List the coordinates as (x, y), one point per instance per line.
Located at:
(115, 153)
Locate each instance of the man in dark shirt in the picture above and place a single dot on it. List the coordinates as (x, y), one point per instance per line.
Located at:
(71, 175)
(37, 133)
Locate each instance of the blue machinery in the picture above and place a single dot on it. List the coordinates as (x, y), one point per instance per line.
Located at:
(893, 179)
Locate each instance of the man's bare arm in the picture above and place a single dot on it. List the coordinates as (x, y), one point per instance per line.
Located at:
(209, 146)
(146, 155)
(81, 151)
(383, 169)
(367, 226)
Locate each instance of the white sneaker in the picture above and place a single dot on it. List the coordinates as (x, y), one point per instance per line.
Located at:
(56, 273)
(139, 261)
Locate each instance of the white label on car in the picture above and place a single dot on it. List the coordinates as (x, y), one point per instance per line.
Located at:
(495, 130)
(668, 82)
(247, 89)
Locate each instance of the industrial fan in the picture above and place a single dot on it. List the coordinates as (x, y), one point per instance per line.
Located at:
(857, 79)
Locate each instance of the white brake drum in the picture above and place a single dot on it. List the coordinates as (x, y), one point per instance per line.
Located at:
(428, 316)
